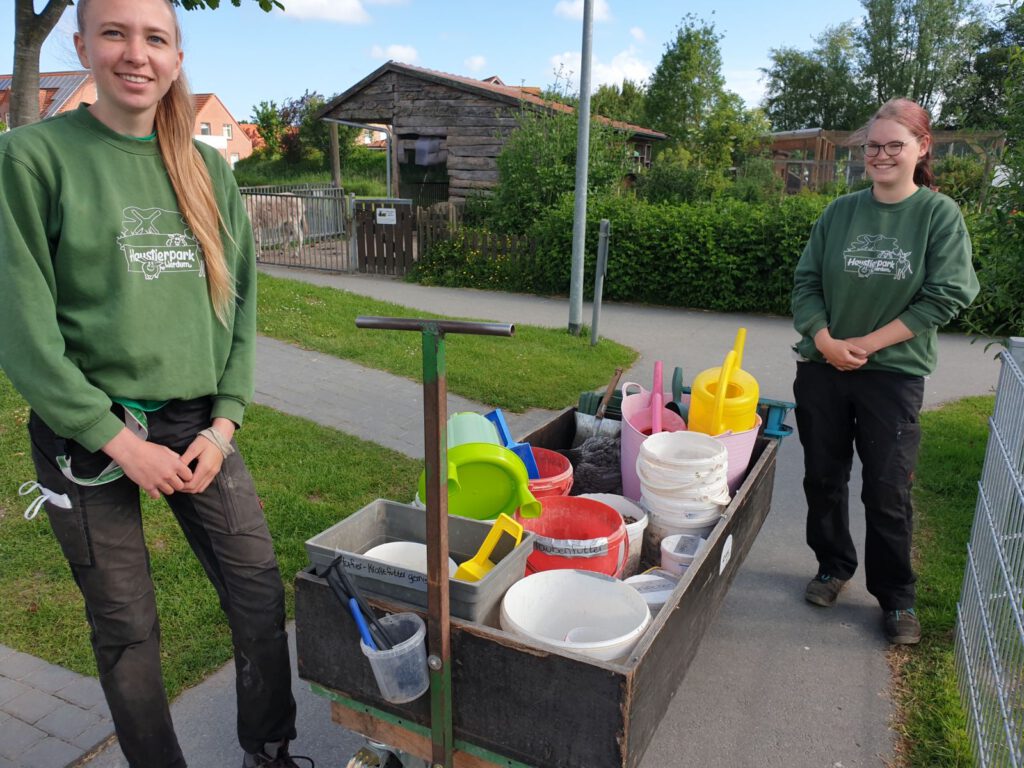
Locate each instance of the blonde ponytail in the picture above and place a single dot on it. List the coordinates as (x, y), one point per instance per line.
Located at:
(194, 190)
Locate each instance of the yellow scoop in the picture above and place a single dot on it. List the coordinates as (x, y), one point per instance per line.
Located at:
(481, 563)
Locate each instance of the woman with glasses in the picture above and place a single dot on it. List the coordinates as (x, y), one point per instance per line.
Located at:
(883, 270)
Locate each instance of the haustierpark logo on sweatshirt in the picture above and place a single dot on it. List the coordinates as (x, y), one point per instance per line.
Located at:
(871, 255)
(155, 241)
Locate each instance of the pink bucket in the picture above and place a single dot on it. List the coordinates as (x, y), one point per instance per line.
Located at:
(636, 426)
(739, 445)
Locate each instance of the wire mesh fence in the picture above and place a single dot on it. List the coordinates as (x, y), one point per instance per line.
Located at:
(299, 225)
(990, 616)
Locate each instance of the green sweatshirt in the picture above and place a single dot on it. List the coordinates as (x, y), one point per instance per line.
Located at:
(103, 292)
(868, 263)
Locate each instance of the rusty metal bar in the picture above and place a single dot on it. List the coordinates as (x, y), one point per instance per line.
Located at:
(435, 326)
(435, 452)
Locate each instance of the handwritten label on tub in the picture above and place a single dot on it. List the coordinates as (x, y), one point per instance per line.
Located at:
(391, 574)
(571, 547)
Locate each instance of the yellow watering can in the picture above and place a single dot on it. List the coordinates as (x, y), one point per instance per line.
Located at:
(724, 398)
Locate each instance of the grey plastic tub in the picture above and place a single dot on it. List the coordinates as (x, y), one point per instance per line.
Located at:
(382, 521)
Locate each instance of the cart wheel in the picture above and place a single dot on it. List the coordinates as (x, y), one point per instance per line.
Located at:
(374, 757)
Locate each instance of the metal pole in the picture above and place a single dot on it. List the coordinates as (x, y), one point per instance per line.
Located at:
(387, 143)
(602, 268)
(435, 451)
(579, 219)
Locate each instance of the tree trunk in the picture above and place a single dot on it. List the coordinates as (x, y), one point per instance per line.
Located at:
(30, 30)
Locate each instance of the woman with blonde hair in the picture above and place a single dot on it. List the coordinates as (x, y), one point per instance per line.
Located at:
(883, 270)
(128, 300)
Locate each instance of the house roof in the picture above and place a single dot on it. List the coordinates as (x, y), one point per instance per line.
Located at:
(493, 87)
(55, 88)
(200, 100)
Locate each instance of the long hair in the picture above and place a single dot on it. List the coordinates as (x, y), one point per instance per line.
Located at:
(193, 187)
(915, 119)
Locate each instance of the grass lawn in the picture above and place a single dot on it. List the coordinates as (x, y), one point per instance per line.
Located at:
(932, 721)
(308, 476)
(536, 368)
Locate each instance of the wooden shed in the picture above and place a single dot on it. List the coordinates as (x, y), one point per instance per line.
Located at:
(448, 129)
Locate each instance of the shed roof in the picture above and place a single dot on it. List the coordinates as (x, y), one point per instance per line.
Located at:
(492, 87)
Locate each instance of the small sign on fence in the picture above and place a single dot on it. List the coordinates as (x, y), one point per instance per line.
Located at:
(387, 216)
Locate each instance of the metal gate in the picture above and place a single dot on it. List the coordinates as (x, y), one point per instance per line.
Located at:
(990, 614)
(299, 225)
(384, 235)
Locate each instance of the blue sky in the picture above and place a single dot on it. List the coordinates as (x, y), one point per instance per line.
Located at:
(246, 56)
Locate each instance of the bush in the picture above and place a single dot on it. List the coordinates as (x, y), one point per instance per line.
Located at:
(962, 178)
(727, 256)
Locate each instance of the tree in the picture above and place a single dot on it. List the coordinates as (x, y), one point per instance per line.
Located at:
(30, 31)
(687, 83)
(625, 103)
(913, 48)
(686, 98)
(267, 117)
(537, 166)
(818, 89)
(978, 96)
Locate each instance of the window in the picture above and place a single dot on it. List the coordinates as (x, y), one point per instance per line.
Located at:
(234, 159)
(204, 129)
(227, 131)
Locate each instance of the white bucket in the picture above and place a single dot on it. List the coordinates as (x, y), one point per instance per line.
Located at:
(740, 446)
(682, 466)
(679, 550)
(579, 611)
(658, 529)
(684, 451)
(630, 511)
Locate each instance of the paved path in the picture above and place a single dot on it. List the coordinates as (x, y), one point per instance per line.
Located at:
(775, 682)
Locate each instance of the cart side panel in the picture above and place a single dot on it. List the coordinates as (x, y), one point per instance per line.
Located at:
(540, 708)
(681, 625)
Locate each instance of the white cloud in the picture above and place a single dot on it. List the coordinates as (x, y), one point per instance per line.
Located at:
(573, 9)
(404, 53)
(625, 65)
(637, 34)
(344, 11)
(475, 63)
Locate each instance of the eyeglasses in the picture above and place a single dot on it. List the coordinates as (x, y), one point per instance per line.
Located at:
(892, 148)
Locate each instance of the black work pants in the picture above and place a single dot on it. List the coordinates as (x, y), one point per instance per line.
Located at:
(876, 411)
(102, 539)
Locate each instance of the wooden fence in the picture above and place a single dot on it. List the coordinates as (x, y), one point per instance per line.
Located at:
(444, 221)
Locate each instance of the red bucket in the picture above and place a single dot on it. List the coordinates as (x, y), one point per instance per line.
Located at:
(575, 532)
(555, 474)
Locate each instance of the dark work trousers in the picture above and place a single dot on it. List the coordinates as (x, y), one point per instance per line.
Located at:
(876, 411)
(102, 539)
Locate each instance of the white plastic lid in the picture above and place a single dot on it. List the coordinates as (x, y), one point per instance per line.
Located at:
(655, 586)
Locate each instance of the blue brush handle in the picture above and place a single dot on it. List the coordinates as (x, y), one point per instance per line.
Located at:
(364, 630)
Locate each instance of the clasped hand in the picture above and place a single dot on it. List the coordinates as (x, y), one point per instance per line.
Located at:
(158, 470)
(841, 354)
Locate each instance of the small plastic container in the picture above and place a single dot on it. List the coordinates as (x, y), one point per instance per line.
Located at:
(401, 672)
(555, 474)
(679, 550)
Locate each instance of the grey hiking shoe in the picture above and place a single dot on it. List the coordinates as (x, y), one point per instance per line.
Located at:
(823, 590)
(275, 756)
(902, 627)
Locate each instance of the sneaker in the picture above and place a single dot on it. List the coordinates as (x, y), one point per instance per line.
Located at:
(275, 756)
(823, 590)
(902, 627)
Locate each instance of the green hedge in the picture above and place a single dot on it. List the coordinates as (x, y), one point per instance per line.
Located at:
(726, 256)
